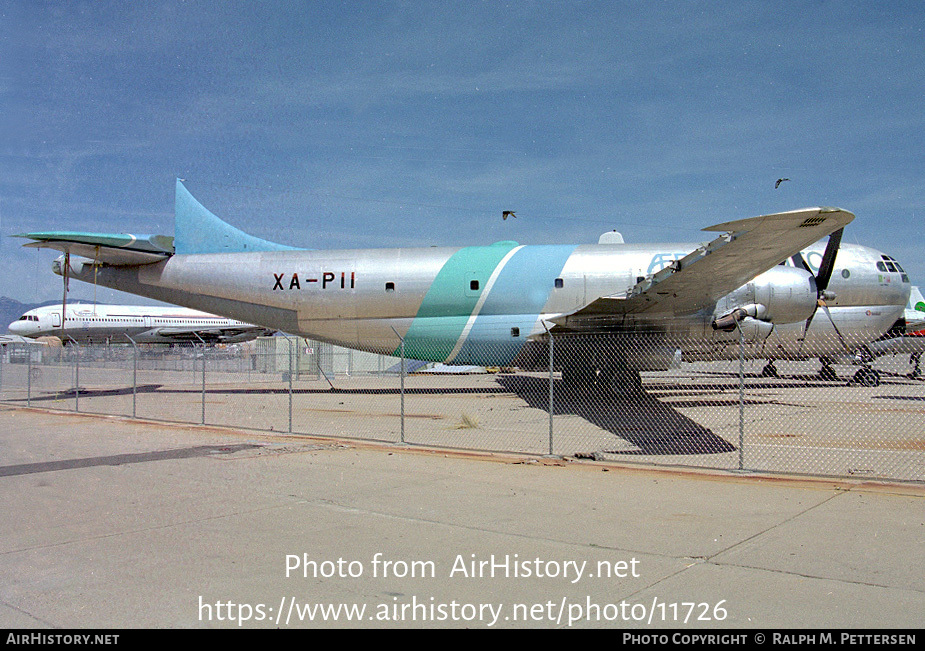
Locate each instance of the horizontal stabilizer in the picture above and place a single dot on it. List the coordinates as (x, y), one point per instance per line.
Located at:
(115, 249)
(196, 230)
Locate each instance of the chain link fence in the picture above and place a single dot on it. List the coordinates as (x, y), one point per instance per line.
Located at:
(713, 405)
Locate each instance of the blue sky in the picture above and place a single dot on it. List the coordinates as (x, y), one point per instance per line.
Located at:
(379, 124)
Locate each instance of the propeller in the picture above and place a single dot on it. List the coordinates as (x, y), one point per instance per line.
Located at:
(822, 278)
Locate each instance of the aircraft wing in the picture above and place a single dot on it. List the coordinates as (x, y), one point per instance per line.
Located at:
(747, 248)
(213, 335)
(115, 249)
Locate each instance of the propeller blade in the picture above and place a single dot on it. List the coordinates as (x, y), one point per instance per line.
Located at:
(825, 308)
(828, 260)
(800, 263)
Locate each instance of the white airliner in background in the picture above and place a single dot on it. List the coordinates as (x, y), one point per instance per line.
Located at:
(88, 323)
(912, 340)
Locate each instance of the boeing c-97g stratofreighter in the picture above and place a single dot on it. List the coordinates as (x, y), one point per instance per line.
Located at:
(768, 280)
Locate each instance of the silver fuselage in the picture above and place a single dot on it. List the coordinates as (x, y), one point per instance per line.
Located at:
(481, 304)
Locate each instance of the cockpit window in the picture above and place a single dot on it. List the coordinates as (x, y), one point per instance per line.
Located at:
(889, 264)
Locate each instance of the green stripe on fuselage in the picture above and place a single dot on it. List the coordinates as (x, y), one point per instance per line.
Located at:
(451, 300)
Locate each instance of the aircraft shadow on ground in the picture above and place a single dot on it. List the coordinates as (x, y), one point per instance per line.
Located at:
(81, 392)
(213, 390)
(640, 419)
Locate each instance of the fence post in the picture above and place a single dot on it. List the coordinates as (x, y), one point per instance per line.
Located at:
(402, 439)
(741, 396)
(552, 406)
(203, 418)
(29, 379)
(76, 374)
(402, 375)
(289, 342)
(134, 374)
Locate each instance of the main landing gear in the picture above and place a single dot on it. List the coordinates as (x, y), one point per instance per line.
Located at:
(769, 370)
(864, 376)
(914, 360)
(827, 373)
(613, 380)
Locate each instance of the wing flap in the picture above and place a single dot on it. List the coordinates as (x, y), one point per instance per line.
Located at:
(747, 248)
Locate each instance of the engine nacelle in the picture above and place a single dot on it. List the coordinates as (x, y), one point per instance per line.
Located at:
(75, 268)
(779, 295)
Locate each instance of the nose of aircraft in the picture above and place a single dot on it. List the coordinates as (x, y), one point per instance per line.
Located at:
(17, 327)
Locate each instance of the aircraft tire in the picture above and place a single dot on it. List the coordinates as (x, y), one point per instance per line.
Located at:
(867, 377)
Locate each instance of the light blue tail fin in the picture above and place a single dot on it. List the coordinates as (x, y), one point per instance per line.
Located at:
(196, 230)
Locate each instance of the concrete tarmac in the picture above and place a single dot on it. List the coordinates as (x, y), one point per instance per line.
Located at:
(116, 523)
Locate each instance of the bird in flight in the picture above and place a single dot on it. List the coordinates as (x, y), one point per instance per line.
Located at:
(779, 181)
(508, 213)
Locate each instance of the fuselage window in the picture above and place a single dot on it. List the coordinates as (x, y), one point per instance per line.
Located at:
(390, 287)
(474, 285)
(559, 283)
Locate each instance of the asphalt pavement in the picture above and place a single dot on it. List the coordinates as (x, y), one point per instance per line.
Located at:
(117, 523)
